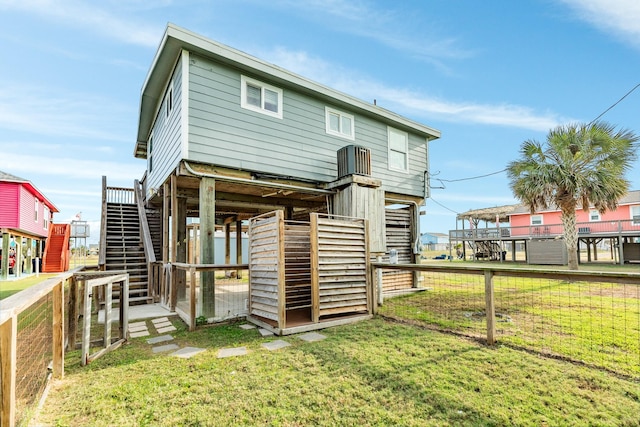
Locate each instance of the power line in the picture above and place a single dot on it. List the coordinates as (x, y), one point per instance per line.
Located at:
(503, 170)
(615, 103)
(443, 206)
(471, 177)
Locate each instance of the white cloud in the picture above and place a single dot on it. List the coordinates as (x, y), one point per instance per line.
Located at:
(392, 28)
(47, 112)
(89, 16)
(619, 17)
(412, 102)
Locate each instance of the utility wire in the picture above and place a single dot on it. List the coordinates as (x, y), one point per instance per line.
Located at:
(471, 177)
(443, 206)
(615, 103)
(503, 170)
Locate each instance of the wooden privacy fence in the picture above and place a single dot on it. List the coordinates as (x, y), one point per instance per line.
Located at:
(301, 272)
(587, 317)
(25, 350)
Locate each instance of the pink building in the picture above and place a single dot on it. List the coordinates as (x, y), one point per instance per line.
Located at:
(25, 219)
(492, 232)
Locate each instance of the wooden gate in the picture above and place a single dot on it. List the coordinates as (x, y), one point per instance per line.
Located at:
(304, 273)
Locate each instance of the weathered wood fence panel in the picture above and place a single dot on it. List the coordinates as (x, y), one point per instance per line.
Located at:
(265, 272)
(342, 259)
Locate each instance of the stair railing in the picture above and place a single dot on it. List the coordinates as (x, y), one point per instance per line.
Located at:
(153, 279)
(102, 250)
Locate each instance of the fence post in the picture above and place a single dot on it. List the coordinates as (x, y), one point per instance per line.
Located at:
(490, 307)
(72, 318)
(8, 356)
(58, 330)
(379, 282)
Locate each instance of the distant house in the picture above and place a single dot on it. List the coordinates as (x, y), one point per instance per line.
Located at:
(25, 220)
(435, 241)
(488, 229)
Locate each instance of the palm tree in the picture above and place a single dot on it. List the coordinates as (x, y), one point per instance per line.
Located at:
(581, 165)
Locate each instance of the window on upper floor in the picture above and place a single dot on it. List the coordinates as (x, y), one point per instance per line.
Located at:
(260, 97)
(635, 214)
(536, 219)
(35, 210)
(594, 215)
(168, 102)
(339, 124)
(398, 149)
(45, 218)
(150, 155)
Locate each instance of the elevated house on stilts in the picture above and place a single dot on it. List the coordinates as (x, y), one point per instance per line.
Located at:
(319, 181)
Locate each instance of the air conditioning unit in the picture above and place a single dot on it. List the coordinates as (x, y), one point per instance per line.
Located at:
(354, 160)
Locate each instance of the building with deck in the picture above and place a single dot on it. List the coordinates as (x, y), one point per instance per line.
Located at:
(491, 233)
(228, 137)
(25, 222)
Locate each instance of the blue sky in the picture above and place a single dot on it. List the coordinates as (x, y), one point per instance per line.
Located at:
(488, 74)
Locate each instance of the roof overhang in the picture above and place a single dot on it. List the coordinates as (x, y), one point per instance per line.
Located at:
(176, 39)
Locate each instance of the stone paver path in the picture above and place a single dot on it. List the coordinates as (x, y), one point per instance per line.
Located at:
(163, 325)
(138, 329)
(232, 352)
(187, 352)
(275, 345)
(166, 347)
(312, 337)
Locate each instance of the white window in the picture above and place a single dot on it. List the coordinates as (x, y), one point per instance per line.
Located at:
(169, 102)
(45, 218)
(150, 154)
(339, 123)
(35, 213)
(594, 215)
(260, 97)
(635, 214)
(536, 219)
(398, 150)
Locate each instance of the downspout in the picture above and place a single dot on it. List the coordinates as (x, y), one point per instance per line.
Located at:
(258, 182)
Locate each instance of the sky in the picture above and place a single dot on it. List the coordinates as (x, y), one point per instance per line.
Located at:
(488, 74)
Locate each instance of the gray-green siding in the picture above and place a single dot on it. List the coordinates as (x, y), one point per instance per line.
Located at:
(166, 134)
(222, 133)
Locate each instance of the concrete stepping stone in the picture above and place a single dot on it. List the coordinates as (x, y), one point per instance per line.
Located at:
(166, 329)
(187, 352)
(138, 328)
(160, 320)
(137, 324)
(247, 326)
(275, 345)
(265, 332)
(144, 333)
(162, 324)
(159, 339)
(312, 337)
(163, 348)
(231, 352)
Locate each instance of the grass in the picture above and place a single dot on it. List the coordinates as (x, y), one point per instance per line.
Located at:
(371, 373)
(10, 287)
(596, 323)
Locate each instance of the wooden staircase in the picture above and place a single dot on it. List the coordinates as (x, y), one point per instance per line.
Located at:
(125, 251)
(56, 253)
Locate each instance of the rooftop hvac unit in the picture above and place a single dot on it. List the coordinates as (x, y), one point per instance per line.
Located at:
(354, 160)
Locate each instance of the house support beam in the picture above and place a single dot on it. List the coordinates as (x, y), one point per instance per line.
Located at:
(239, 247)
(181, 248)
(5, 254)
(207, 205)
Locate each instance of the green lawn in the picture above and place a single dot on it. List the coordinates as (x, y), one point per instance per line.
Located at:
(371, 373)
(10, 287)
